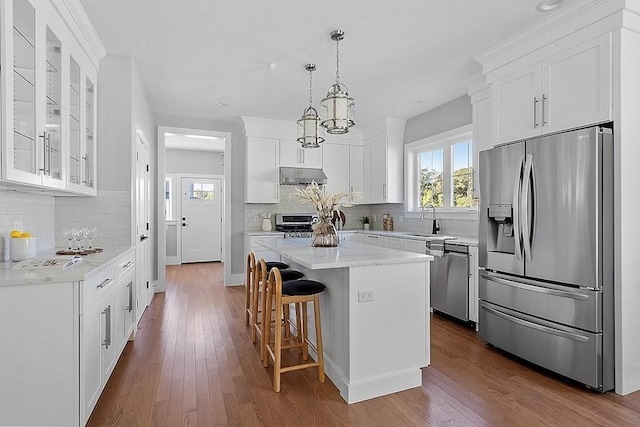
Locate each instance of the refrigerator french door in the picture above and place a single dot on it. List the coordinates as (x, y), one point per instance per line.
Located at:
(545, 240)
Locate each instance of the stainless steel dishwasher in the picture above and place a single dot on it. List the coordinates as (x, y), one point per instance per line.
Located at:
(450, 278)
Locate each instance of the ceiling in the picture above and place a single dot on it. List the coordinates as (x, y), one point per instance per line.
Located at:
(398, 59)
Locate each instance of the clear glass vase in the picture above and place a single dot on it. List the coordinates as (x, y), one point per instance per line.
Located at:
(324, 234)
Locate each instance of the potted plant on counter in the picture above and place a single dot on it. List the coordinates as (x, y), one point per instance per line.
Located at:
(365, 222)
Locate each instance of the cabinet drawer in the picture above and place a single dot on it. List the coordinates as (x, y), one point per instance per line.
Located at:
(124, 265)
(98, 285)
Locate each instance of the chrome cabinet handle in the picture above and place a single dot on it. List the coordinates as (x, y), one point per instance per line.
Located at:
(44, 152)
(127, 265)
(544, 101)
(107, 339)
(48, 167)
(535, 112)
(130, 306)
(104, 283)
(384, 190)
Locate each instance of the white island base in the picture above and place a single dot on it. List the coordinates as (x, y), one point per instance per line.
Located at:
(376, 347)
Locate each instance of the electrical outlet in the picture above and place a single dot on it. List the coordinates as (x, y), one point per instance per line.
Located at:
(365, 296)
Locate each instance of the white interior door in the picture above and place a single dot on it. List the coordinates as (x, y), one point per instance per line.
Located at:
(144, 291)
(201, 219)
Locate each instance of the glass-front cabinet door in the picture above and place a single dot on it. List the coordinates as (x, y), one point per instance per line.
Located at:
(52, 161)
(75, 146)
(32, 140)
(20, 149)
(89, 134)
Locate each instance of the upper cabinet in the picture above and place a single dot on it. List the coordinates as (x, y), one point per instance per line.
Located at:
(343, 165)
(261, 170)
(571, 88)
(293, 155)
(383, 161)
(45, 81)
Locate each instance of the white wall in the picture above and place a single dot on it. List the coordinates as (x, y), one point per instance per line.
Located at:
(36, 212)
(196, 162)
(122, 109)
(452, 115)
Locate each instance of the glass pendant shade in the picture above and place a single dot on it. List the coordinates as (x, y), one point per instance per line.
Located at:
(310, 133)
(338, 109)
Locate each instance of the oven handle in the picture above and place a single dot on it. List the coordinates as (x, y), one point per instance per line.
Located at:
(542, 328)
(530, 286)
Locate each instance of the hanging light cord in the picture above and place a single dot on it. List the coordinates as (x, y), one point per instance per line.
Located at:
(338, 60)
(310, 87)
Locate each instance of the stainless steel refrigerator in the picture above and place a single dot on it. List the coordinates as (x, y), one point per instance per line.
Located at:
(546, 253)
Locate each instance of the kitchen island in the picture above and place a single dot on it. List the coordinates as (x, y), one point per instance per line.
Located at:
(375, 322)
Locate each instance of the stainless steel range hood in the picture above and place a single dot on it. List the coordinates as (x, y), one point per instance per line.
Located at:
(301, 176)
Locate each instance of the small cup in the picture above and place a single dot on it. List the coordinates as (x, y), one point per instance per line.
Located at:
(23, 248)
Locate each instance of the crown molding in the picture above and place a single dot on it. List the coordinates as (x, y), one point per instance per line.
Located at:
(80, 25)
(563, 22)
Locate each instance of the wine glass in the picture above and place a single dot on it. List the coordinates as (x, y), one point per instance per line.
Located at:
(91, 234)
(67, 232)
(77, 236)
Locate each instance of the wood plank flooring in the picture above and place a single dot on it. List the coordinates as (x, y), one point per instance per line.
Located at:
(193, 364)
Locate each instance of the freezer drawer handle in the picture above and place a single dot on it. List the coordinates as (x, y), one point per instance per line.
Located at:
(533, 288)
(546, 329)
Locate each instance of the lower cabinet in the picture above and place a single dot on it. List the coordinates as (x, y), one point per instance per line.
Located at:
(59, 343)
(260, 252)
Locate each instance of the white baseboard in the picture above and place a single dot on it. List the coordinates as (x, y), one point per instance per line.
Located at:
(173, 260)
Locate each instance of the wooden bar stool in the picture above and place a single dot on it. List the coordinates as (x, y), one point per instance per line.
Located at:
(249, 281)
(298, 292)
(258, 300)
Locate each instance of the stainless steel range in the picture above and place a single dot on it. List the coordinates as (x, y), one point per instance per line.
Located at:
(296, 225)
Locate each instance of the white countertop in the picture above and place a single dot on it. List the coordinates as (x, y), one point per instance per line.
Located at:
(464, 240)
(347, 254)
(91, 264)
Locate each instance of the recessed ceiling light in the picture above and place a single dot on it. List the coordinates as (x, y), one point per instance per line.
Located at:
(222, 104)
(548, 5)
(272, 66)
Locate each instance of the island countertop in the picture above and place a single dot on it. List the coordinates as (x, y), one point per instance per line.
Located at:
(347, 254)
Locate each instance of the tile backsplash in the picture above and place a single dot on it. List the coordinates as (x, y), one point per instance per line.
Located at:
(35, 211)
(110, 212)
(458, 227)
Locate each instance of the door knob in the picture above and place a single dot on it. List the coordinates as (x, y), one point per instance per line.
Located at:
(143, 237)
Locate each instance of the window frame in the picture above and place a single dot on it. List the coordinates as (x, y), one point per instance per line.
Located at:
(444, 140)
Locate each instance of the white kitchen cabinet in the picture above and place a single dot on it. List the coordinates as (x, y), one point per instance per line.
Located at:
(374, 240)
(356, 171)
(482, 137)
(569, 89)
(38, 110)
(395, 243)
(125, 304)
(336, 167)
(383, 162)
(262, 178)
(348, 236)
(417, 246)
(292, 154)
(361, 238)
(343, 166)
(260, 252)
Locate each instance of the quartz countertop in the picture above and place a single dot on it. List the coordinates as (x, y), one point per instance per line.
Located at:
(90, 265)
(464, 240)
(347, 254)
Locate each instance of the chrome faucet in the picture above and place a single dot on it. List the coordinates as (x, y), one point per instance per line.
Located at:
(434, 228)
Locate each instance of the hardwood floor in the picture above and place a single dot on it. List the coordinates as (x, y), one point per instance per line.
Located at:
(192, 363)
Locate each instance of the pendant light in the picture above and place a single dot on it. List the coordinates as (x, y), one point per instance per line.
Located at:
(310, 134)
(337, 106)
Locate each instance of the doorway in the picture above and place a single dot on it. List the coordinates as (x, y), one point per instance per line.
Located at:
(201, 142)
(201, 219)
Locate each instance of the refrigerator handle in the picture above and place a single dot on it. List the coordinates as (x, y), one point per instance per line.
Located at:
(517, 187)
(527, 231)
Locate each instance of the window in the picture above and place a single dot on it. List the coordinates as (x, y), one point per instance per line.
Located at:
(201, 191)
(168, 198)
(440, 171)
